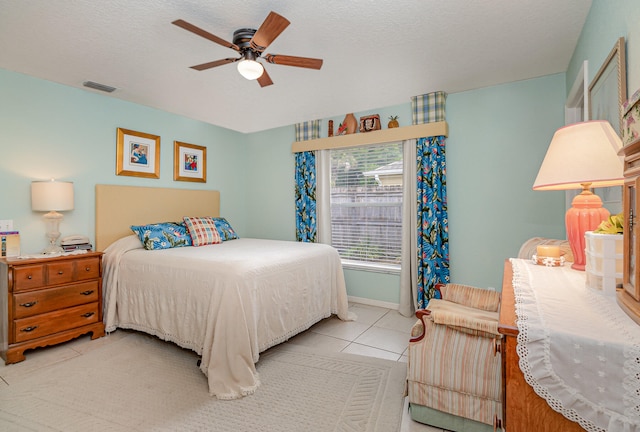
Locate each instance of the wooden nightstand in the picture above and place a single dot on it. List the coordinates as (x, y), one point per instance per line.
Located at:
(45, 301)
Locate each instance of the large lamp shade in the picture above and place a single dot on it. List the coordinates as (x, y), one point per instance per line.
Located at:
(582, 156)
(51, 195)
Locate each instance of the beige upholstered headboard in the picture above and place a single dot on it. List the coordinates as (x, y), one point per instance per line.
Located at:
(119, 207)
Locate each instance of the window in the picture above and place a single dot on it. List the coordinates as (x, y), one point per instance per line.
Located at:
(366, 205)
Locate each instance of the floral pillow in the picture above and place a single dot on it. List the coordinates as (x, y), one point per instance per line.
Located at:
(224, 229)
(202, 230)
(162, 235)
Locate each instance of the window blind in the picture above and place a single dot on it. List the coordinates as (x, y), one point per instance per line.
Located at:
(366, 203)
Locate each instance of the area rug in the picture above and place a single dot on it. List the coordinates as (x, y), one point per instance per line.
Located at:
(140, 383)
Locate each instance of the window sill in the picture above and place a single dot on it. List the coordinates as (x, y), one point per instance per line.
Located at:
(373, 268)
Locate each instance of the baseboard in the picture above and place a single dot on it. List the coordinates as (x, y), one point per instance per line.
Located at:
(370, 302)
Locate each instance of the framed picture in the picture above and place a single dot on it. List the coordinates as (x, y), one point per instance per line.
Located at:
(608, 90)
(137, 154)
(189, 162)
(370, 123)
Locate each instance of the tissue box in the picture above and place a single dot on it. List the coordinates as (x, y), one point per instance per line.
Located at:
(631, 119)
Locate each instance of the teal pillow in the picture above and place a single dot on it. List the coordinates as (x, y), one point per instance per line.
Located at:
(165, 235)
(224, 229)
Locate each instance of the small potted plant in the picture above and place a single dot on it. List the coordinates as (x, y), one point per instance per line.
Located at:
(613, 225)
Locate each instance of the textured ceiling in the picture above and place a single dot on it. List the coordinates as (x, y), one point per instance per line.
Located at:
(376, 53)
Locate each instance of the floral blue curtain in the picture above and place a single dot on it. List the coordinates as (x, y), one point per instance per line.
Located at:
(433, 224)
(306, 228)
(305, 177)
(433, 221)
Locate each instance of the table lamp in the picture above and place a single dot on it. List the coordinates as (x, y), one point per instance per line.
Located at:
(581, 156)
(52, 196)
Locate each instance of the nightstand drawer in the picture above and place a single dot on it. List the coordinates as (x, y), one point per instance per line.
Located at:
(28, 276)
(49, 300)
(36, 302)
(54, 322)
(87, 268)
(59, 272)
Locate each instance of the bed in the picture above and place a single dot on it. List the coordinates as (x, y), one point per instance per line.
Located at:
(228, 302)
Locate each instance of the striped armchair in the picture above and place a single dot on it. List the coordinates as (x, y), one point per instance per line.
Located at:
(454, 373)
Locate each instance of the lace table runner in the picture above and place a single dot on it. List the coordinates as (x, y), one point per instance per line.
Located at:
(578, 350)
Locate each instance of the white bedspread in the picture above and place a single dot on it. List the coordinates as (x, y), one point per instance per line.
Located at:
(577, 348)
(228, 302)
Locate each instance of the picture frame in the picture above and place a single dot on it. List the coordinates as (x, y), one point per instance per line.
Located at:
(370, 123)
(137, 154)
(189, 162)
(608, 90)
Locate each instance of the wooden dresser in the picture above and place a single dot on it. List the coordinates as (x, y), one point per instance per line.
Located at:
(524, 410)
(45, 301)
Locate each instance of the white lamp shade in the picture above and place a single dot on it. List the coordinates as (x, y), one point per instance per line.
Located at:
(250, 69)
(51, 195)
(581, 153)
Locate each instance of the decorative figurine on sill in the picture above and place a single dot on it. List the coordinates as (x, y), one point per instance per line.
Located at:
(393, 122)
(330, 131)
(350, 125)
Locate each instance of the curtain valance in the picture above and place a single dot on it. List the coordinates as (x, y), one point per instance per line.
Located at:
(376, 137)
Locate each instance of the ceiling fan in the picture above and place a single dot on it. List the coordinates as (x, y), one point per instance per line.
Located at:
(251, 43)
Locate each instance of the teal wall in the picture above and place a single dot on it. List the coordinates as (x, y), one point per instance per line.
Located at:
(270, 174)
(498, 138)
(607, 21)
(49, 130)
(497, 141)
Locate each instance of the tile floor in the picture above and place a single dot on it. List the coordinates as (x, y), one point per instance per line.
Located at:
(377, 332)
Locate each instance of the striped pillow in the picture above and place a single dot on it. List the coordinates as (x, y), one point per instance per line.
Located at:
(202, 230)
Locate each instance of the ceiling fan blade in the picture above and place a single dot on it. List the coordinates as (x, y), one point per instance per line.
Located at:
(285, 60)
(264, 79)
(272, 26)
(213, 64)
(205, 34)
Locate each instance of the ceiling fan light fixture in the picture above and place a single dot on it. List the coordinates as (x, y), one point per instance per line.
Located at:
(250, 44)
(250, 69)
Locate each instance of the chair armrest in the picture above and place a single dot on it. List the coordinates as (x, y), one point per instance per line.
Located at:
(422, 315)
(470, 296)
(463, 318)
(457, 317)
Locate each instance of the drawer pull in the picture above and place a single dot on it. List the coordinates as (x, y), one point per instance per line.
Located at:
(87, 269)
(29, 329)
(60, 272)
(87, 292)
(29, 304)
(29, 277)
(88, 314)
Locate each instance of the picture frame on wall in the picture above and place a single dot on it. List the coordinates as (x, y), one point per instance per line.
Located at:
(189, 162)
(137, 154)
(608, 90)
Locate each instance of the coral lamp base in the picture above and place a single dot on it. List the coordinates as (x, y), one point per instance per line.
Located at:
(585, 214)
